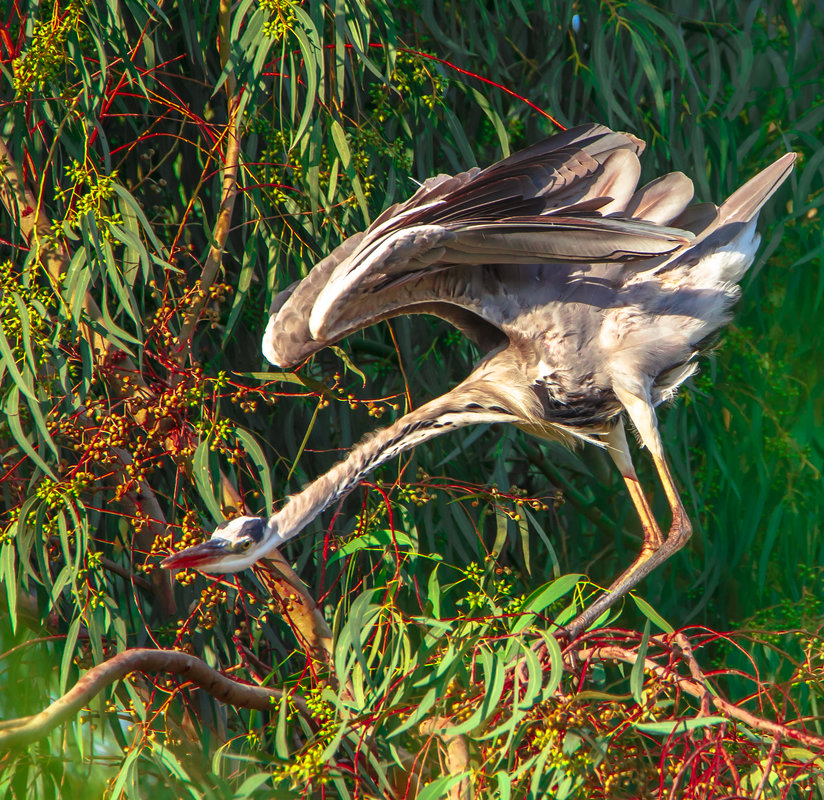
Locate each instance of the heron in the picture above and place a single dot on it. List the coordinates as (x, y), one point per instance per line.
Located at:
(590, 298)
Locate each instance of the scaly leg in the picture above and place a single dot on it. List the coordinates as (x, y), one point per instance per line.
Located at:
(656, 548)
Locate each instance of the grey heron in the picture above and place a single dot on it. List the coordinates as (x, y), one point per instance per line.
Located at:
(590, 297)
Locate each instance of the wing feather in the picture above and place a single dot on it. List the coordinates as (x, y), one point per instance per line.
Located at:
(546, 204)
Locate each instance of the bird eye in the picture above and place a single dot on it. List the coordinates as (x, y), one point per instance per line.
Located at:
(245, 545)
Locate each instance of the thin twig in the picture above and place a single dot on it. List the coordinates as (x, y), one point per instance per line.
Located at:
(767, 768)
(696, 689)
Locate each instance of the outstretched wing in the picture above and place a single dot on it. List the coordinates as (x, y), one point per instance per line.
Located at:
(571, 198)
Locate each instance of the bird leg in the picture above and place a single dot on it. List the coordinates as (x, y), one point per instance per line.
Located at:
(616, 442)
(656, 548)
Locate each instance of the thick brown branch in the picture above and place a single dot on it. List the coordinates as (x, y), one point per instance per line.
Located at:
(297, 605)
(24, 731)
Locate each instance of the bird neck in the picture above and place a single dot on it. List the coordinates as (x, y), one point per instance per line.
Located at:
(476, 400)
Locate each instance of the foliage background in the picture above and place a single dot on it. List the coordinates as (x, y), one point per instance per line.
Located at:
(121, 414)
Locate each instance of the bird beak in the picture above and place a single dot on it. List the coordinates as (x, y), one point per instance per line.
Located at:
(198, 556)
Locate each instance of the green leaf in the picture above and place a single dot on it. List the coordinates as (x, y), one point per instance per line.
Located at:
(670, 727)
(8, 576)
(303, 443)
(12, 412)
(347, 362)
(341, 145)
(649, 69)
(288, 377)
(162, 259)
(204, 470)
(421, 709)
(556, 672)
(494, 676)
(651, 614)
(636, 679)
(542, 598)
(251, 785)
(504, 785)
(281, 743)
(378, 540)
(67, 660)
(244, 281)
(126, 772)
(9, 362)
(440, 787)
(311, 52)
(264, 470)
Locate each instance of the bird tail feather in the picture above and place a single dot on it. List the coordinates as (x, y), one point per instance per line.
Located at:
(745, 203)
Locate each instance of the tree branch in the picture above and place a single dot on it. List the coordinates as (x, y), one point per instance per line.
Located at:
(21, 732)
(229, 193)
(697, 689)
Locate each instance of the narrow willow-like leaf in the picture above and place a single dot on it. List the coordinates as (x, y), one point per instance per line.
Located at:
(8, 576)
(494, 676)
(67, 660)
(341, 145)
(649, 69)
(501, 531)
(651, 614)
(671, 727)
(311, 52)
(556, 671)
(636, 679)
(251, 785)
(422, 708)
(542, 598)
(171, 763)
(250, 256)
(504, 787)
(441, 787)
(135, 254)
(348, 363)
(11, 409)
(10, 364)
(377, 541)
(281, 743)
(495, 118)
(160, 256)
(255, 452)
(125, 774)
(289, 377)
(25, 331)
(202, 471)
(665, 24)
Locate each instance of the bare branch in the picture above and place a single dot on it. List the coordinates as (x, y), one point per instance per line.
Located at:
(297, 605)
(22, 732)
(698, 690)
(457, 754)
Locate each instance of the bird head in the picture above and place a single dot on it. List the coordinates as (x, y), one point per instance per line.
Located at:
(234, 546)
